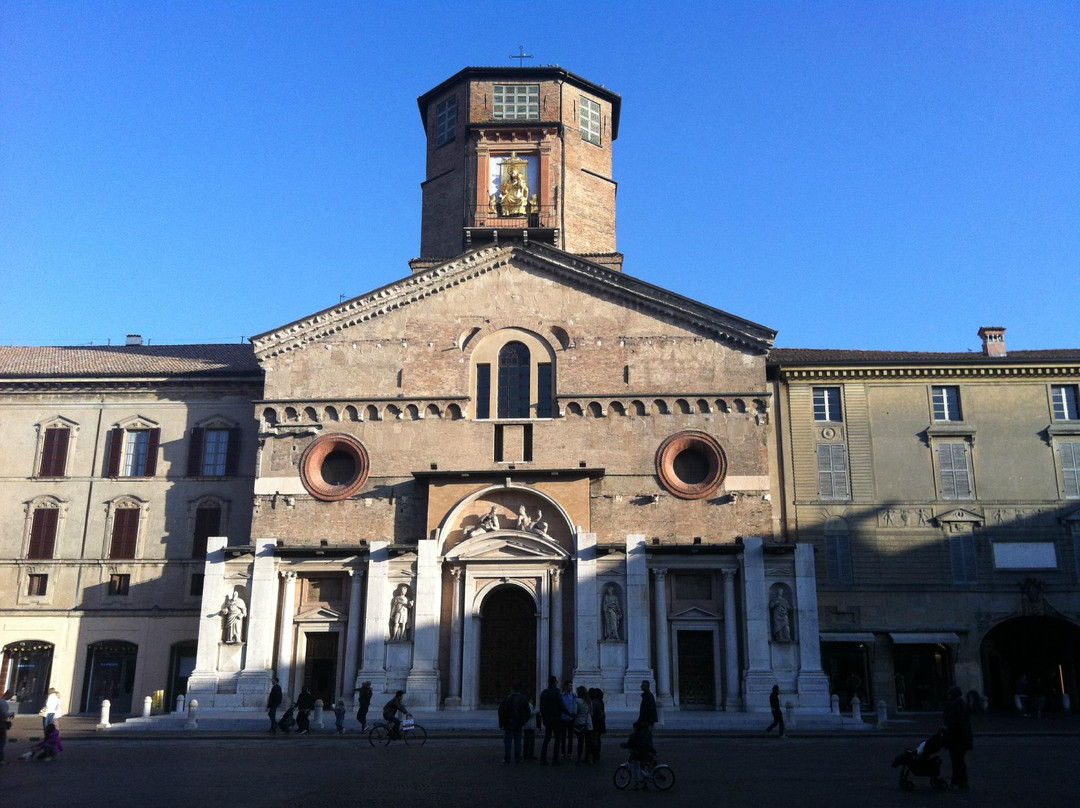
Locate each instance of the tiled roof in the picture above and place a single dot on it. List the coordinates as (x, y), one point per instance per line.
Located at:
(127, 360)
(803, 356)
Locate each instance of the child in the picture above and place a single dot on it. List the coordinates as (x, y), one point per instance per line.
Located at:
(641, 749)
(339, 717)
(50, 747)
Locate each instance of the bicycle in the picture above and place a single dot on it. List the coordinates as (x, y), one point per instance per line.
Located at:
(659, 774)
(412, 733)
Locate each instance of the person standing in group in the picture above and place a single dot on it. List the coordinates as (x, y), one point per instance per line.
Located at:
(51, 711)
(273, 701)
(777, 713)
(514, 712)
(5, 721)
(363, 702)
(599, 721)
(583, 725)
(958, 736)
(551, 711)
(569, 704)
(305, 703)
(647, 712)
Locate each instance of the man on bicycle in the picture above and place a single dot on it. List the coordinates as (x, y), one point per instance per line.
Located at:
(390, 711)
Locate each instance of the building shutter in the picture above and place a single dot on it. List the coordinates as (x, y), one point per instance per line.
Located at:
(543, 390)
(832, 471)
(125, 533)
(114, 452)
(152, 453)
(953, 468)
(195, 452)
(483, 391)
(43, 533)
(207, 523)
(1069, 451)
(232, 453)
(962, 549)
(838, 558)
(54, 452)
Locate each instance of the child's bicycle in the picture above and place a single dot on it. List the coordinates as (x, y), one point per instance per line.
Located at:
(659, 774)
(412, 733)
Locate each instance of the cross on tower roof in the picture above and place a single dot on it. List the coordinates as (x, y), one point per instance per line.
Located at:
(521, 56)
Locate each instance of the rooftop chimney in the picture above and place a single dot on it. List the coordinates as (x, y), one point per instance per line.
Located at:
(136, 339)
(993, 339)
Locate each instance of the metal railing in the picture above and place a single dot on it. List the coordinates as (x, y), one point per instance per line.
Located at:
(537, 216)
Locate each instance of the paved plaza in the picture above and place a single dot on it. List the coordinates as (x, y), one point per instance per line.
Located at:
(464, 770)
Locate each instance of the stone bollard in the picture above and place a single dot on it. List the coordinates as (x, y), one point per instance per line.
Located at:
(147, 705)
(192, 715)
(834, 704)
(180, 703)
(856, 708)
(789, 715)
(882, 714)
(106, 705)
(316, 718)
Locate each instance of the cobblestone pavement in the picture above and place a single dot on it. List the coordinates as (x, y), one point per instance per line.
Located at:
(454, 772)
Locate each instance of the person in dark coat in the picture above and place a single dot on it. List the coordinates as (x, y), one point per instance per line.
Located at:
(551, 711)
(305, 703)
(273, 701)
(514, 712)
(647, 713)
(363, 702)
(958, 738)
(599, 719)
(777, 713)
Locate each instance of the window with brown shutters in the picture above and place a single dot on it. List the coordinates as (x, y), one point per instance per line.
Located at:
(43, 533)
(132, 452)
(214, 452)
(207, 524)
(54, 452)
(125, 533)
(37, 585)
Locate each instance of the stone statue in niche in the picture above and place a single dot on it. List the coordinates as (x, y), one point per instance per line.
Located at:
(234, 611)
(489, 523)
(399, 613)
(612, 613)
(781, 617)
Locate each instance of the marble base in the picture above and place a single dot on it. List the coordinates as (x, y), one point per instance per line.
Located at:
(230, 657)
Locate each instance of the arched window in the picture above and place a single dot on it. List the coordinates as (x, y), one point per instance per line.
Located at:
(522, 384)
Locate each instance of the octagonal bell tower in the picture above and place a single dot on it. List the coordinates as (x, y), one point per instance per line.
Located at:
(519, 154)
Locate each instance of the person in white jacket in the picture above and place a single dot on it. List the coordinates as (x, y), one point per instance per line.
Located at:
(51, 712)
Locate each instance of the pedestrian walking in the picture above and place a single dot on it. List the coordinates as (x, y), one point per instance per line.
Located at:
(777, 713)
(339, 717)
(51, 711)
(647, 711)
(273, 701)
(599, 721)
(958, 737)
(5, 724)
(305, 703)
(514, 713)
(363, 702)
(551, 709)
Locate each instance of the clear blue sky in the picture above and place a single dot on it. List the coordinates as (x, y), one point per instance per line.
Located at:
(884, 175)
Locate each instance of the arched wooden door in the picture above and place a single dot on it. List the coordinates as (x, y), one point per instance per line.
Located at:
(507, 644)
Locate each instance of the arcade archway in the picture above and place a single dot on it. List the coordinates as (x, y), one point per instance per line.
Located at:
(1045, 650)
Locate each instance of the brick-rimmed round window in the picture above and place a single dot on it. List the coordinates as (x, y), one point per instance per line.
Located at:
(334, 467)
(691, 464)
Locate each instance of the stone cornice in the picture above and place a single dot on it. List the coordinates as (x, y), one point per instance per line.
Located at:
(112, 385)
(598, 279)
(934, 371)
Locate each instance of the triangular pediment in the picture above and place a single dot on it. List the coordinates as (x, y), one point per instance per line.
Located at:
(693, 613)
(320, 613)
(507, 545)
(562, 267)
(960, 516)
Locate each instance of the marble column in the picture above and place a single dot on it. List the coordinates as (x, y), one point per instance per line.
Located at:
(813, 683)
(557, 626)
(376, 615)
(759, 675)
(203, 680)
(732, 692)
(423, 681)
(453, 700)
(254, 682)
(637, 619)
(663, 639)
(285, 632)
(352, 638)
(587, 630)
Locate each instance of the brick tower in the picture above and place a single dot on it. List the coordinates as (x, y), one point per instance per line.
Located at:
(519, 154)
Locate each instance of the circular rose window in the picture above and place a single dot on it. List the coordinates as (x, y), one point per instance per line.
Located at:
(691, 465)
(334, 467)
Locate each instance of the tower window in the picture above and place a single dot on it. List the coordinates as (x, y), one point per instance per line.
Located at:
(514, 381)
(446, 121)
(513, 377)
(516, 102)
(590, 120)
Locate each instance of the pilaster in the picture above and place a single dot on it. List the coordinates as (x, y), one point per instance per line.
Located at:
(587, 617)
(423, 681)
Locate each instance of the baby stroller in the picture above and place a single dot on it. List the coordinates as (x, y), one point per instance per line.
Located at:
(287, 721)
(922, 762)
